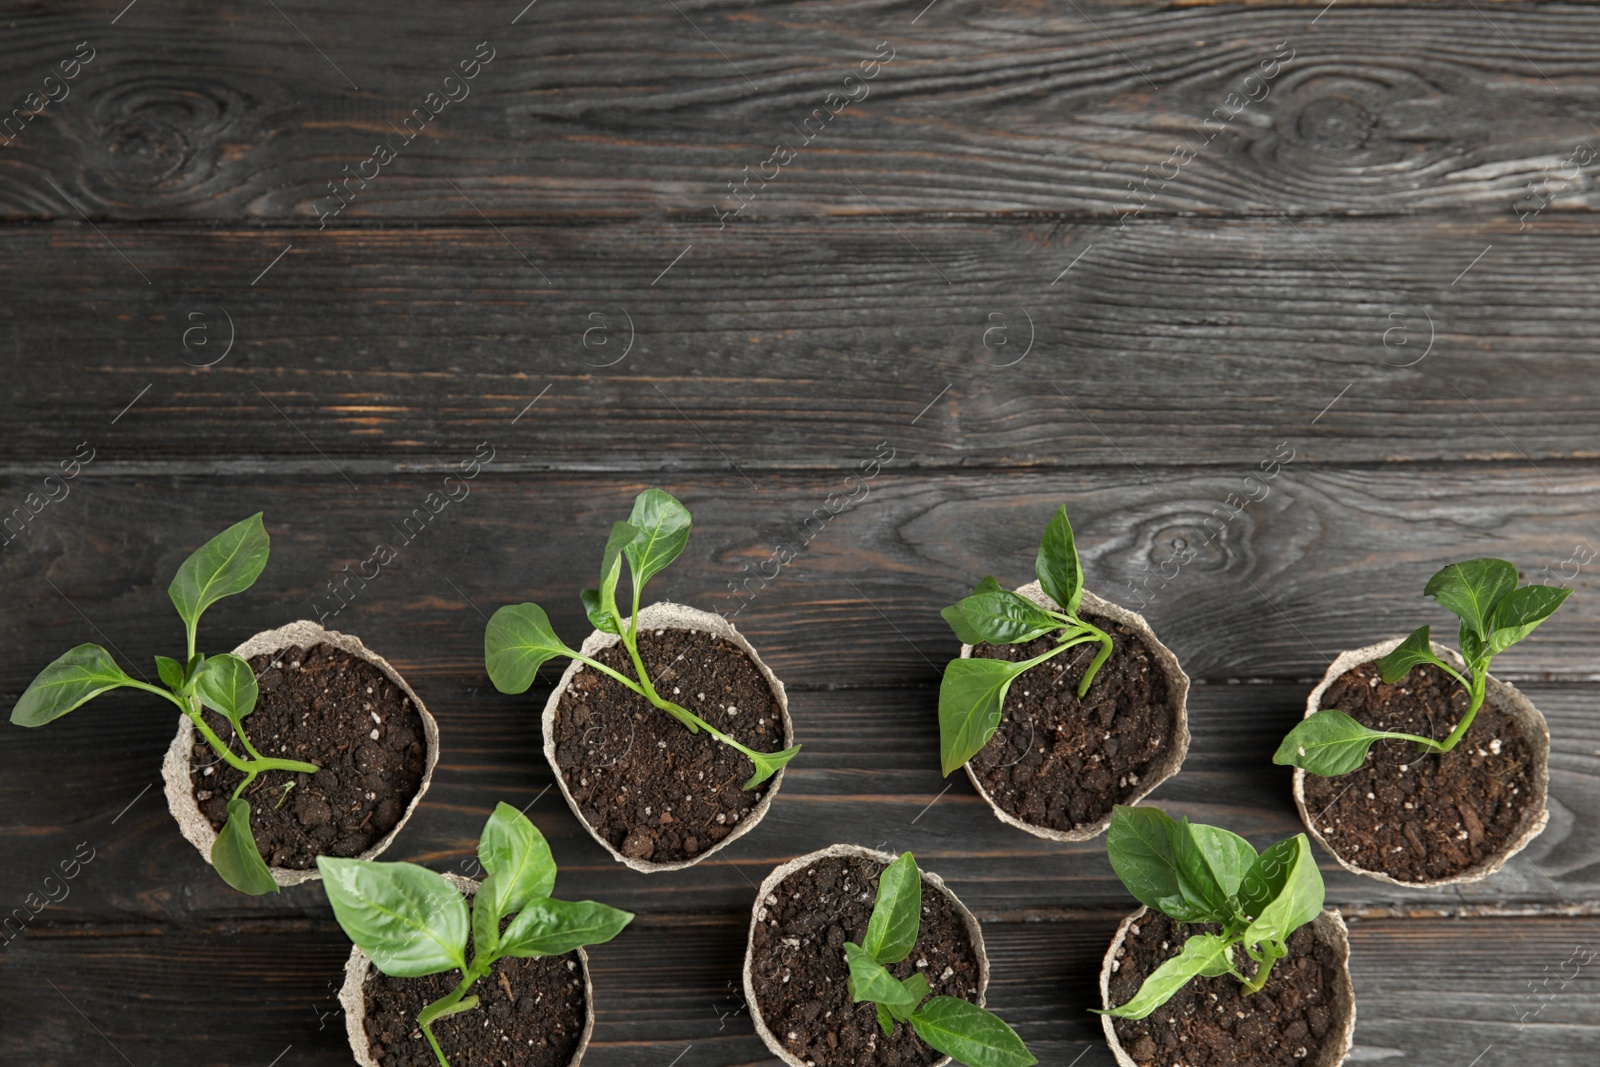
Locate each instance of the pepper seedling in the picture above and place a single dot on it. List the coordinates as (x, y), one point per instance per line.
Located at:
(973, 691)
(958, 1028)
(1494, 615)
(1194, 873)
(229, 563)
(413, 922)
(519, 638)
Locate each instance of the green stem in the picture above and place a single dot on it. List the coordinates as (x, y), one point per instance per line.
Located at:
(1477, 690)
(251, 766)
(452, 1002)
(1099, 657)
(630, 640)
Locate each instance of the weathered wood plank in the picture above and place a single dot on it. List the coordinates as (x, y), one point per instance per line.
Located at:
(610, 109)
(1176, 342)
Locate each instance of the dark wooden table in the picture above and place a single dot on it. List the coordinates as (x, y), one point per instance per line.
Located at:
(1104, 254)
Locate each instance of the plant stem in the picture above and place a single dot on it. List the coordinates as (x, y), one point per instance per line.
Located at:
(1476, 690)
(252, 766)
(448, 1004)
(1099, 657)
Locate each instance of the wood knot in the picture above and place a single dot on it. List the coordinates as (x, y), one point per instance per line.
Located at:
(1335, 124)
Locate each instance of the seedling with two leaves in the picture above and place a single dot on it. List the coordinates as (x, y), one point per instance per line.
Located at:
(1495, 614)
(229, 563)
(958, 1028)
(1195, 873)
(520, 639)
(973, 691)
(413, 922)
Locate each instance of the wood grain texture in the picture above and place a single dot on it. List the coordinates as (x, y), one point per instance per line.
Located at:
(1177, 342)
(613, 109)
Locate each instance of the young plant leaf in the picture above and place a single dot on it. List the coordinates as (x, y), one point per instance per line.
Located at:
(1142, 846)
(885, 1020)
(1206, 955)
(601, 619)
(964, 631)
(1000, 617)
(663, 526)
(1515, 617)
(1060, 573)
(622, 534)
(235, 856)
(1329, 743)
(228, 685)
(917, 987)
(870, 980)
(1415, 649)
(1211, 864)
(171, 672)
(966, 1032)
(410, 920)
(517, 642)
(1471, 589)
(229, 563)
(74, 678)
(1474, 649)
(1298, 900)
(897, 912)
(971, 696)
(518, 859)
(1266, 879)
(767, 764)
(552, 927)
(486, 916)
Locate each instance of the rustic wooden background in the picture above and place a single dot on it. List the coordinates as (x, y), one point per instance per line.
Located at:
(1387, 265)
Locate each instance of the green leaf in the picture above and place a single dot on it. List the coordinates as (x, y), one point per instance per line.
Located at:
(767, 764)
(917, 986)
(1203, 954)
(1211, 864)
(171, 672)
(663, 526)
(235, 856)
(1515, 617)
(486, 916)
(870, 980)
(1297, 902)
(971, 696)
(74, 678)
(598, 616)
(517, 642)
(967, 1033)
(897, 912)
(229, 563)
(518, 857)
(1413, 650)
(227, 684)
(1327, 743)
(410, 920)
(1060, 573)
(1142, 844)
(622, 534)
(885, 1020)
(999, 617)
(1473, 647)
(1266, 879)
(552, 927)
(1471, 589)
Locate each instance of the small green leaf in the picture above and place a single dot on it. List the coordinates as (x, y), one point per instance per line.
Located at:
(1327, 743)
(229, 563)
(1060, 573)
(1473, 647)
(553, 927)
(228, 685)
(885, 1020)
(663, 526)
(1413, 650)
(1211, 864)
(1142, 846)
(1298, 900)
(622, 534)
(74, 678)
(1516, 616)
(1267, 878)
(870, 980)
(1203, 954)
(486, 916)
(897, 912)
(518, 857)
(917, 986)
(967, 1033)
(971, 697)
(410, 920)
(768, 764)
(1471, 589)
(171, 672)
(517, 642)
(598, 616)
(1000, 617)
(235, 856)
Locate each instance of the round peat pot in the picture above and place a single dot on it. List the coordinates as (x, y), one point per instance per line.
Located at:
(1305, 1014)
(526, 1016)
(796, 981)
(1132, 733)
(1436, 818)
(325, 698)
(657, 797)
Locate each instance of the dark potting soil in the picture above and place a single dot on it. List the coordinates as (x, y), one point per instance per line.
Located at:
(1209, 1022)
(327, 707)
(642, 780)
(530, 1013)
(1060, 762)
(1422, 817)
(801, 980)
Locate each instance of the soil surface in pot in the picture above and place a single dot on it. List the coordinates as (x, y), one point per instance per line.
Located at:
(801, 980)
(335, 710)
(1060, 762)
(1415, 817)
(1208, 1022)
(530, 1013)
(642, 780)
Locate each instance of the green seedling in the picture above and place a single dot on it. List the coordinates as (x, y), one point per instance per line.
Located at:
(1494, 615)
(1194, 873)
(973, 691)
(958, 1028)
(520, 639)
(229, 563)
(413, 922)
